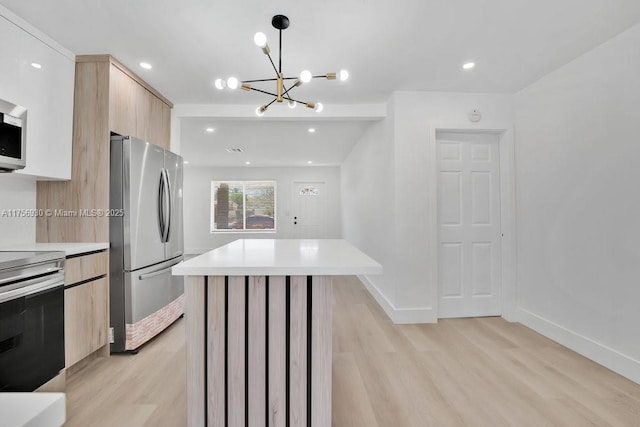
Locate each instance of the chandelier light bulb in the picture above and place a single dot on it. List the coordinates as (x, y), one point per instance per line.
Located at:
(232, 83)
(292, 104)
(220, 84)
(305, 76)
(344, 75)
(260, 110)
(319, 107)
(260, 39)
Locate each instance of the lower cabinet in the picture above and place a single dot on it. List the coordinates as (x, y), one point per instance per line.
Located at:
(86, 319)
(86, 306)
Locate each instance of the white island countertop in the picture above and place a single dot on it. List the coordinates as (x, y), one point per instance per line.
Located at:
(32, 409)
(280, 257)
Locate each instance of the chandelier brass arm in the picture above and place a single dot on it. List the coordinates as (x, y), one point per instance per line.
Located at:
(279, 22)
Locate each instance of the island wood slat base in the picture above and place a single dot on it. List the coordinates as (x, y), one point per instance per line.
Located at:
(258, 351)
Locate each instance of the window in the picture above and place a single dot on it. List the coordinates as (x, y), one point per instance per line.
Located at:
(309, 191)
(243, 205)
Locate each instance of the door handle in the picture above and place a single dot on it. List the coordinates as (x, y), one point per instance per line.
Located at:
(159, 272)
(31, 273)
(160, 205)
(167, 203)
(33, 286)
(154, 273)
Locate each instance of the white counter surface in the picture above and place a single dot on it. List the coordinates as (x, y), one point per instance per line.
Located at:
(283, 257)
(32, 409)
(67, 248)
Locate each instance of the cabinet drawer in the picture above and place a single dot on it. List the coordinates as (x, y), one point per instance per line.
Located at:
(85, 267)
(86, 319)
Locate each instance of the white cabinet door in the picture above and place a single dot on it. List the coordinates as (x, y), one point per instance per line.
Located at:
(10, 63)
(46, 93)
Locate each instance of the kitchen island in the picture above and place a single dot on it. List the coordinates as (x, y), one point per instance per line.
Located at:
(258, 319)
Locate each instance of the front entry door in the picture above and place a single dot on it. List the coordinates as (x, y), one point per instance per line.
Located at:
(468, 224)
(309, 210)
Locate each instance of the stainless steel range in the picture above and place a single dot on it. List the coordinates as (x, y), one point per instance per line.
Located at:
(31, 319)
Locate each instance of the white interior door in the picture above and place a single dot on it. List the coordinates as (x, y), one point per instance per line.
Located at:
(309, 210)
(468, 224)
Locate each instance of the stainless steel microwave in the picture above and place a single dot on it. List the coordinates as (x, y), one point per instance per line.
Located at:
(13, 136)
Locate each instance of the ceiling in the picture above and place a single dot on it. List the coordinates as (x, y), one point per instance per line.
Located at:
(386, 46)
(276, 143)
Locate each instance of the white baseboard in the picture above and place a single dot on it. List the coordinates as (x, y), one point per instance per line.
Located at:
(605, 356)
(399, 315)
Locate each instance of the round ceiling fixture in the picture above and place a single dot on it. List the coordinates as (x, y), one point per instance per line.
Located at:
(475, 116)
(280, 22)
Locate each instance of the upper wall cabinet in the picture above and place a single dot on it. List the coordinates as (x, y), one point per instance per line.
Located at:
(46, 92)
(109, 98)
(136, 110)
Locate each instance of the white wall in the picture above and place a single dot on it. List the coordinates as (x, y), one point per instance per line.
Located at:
(197, 202)
(578, 204)
(368, 207)
(397, 152)
(17, 193)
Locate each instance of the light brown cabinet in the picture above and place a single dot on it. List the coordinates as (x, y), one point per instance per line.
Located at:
(86, 306)
(135, 111)
(82, 268)
(108, 98)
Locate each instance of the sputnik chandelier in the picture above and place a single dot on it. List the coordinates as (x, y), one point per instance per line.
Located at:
(279, 22)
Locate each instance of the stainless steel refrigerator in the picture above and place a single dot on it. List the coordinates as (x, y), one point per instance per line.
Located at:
(146, 234)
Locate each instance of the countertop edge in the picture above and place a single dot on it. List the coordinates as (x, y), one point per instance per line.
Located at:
(69, 248)
(276, 271)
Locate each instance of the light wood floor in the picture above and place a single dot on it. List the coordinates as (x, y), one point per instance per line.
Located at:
(459, 372)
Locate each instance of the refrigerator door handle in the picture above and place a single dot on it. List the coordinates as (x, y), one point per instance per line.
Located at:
(155, 273)
(161, 218)
(162, 271)
(167, 195)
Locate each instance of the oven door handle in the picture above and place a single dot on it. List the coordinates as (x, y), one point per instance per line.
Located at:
(31, 273)
(32, 287)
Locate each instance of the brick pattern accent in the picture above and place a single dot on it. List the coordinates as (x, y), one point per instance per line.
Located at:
(147, 328)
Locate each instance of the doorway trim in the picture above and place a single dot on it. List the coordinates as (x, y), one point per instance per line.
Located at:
(508, 299)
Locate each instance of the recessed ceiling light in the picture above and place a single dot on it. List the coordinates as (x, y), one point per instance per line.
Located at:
(145, 65)
(36, 65)
(469, 65)
(309, 162)
(247, 163)
(312, 130)
(210, 130)
(186, 162)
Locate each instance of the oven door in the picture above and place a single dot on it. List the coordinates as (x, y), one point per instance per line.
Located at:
(32, 333)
